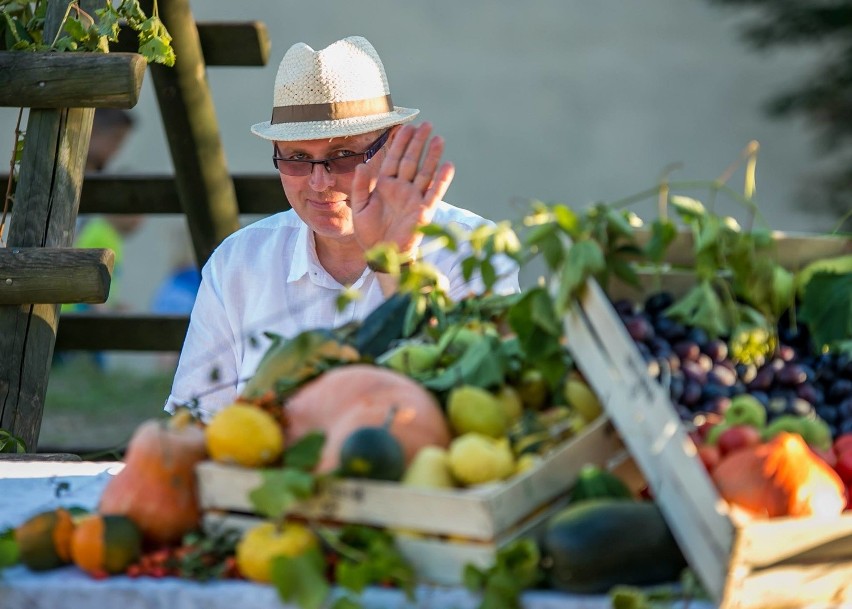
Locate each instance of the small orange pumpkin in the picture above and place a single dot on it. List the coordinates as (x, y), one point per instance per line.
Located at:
(44, 541)
(346, 398)
(105, 544)
(157, 487)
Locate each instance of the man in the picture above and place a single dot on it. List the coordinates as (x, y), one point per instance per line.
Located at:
(356, 174)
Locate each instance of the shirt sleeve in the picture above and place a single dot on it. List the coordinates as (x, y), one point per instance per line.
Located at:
(208, 368)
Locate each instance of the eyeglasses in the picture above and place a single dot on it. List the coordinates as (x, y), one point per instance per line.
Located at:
(343, 164)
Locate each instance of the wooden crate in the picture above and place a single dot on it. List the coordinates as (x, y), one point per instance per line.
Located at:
(787, 563)
(793, 251)
(443, 529)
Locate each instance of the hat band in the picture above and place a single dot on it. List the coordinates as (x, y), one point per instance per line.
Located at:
(332, 111)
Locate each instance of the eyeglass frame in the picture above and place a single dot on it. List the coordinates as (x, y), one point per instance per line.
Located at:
(368, 154)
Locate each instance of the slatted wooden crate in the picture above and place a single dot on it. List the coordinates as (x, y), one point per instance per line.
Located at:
(781, 563)
(442, 529)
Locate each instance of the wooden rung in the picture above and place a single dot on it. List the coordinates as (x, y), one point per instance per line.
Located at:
(54, 275)
(256, 194)
(222, 44)
(121, 332)
(70, 80)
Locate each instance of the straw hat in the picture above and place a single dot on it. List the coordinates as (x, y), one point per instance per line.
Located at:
(338, 91)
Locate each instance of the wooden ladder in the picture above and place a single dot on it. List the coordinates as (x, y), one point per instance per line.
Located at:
(39, 270)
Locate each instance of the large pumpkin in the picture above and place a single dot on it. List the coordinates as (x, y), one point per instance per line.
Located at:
(157, 487)
(347, 398)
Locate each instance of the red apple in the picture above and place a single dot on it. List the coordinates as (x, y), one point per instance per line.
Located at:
(737, 437)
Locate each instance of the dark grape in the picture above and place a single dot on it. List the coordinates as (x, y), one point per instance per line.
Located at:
(670, 329)
(660, 346)
(839, 391)
(746, 372)
(676, 386)
(844, 366)
(760, 396)
(624, 307)
(844, 409)
(845, 427)
(827, 413)
(658, 302)
(810, 392)
(722, 376)
(693, 372)
(717, 405)
(691, 393)
(699, 335)
(791, 375)
(799, 407)
(763, 379)
(786, 353)
(713, 390)
(704, 362)
(687, 350)
(716, 349)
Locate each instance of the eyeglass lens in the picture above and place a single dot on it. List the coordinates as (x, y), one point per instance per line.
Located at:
(344, 164)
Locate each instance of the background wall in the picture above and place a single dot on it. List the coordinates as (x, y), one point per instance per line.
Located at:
(558, 100)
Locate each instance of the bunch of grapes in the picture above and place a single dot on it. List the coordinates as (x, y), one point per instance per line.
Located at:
(702, 374)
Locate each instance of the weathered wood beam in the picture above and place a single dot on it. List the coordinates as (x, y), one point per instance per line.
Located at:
(70, 80)
(204, 184)
(234, 43)
(54, 275)
(121, 332)
(157, 194)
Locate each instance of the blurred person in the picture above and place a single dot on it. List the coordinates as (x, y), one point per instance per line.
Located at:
(356, 173)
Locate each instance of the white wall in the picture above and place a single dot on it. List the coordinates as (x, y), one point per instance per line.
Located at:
(560, 100)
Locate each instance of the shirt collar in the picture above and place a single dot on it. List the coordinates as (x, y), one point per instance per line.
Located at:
(304, 247)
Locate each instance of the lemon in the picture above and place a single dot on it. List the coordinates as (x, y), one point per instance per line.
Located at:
(244, 435)
(475, 459)
(265, 541)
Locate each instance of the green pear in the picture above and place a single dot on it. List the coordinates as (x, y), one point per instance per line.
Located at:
(582, 399)
(511, 401)
(430, 468)
(473, 409)
(477, 459)
(411, 357)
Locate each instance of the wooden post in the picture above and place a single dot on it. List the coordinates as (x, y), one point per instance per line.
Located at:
(204, 185)
(47, 198)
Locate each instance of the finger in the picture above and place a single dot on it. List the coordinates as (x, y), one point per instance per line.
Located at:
(424, 177)
(390, 164)
(361, 187)
(410, 161)
(441, 183)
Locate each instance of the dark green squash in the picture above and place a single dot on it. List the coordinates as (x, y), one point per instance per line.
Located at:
(372, 452)
(600, 543)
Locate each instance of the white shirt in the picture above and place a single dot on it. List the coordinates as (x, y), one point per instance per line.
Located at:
(266, 277)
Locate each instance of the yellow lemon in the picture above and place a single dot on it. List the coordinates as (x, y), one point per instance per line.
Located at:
(263, 542)
(244, 435)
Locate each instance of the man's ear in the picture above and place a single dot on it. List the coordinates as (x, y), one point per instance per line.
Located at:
(393, 131)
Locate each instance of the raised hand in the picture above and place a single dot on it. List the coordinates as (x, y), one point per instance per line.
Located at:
(391, 199)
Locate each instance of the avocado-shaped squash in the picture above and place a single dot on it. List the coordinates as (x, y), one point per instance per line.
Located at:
(372, 452)
(596, 544)
(44, 541)
(157, 487)
(346, 398)
(105, 544)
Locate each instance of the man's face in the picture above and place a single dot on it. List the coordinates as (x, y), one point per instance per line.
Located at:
(321, 198)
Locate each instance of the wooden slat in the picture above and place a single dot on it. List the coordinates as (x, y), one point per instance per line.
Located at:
(204, 184)
(222, 44)
(70, 80)
(157, 194)
(121, 332)
(54, 275)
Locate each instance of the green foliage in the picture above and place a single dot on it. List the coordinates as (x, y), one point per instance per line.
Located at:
(827, 309)
(22, 29)
(516, 568)
(283, 487)
(8, 549)
(301, 579)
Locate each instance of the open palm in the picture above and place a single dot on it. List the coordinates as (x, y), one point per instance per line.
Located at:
(391, 199)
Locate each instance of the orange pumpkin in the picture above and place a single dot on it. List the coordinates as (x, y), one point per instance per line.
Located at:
(105, 544)
(346, 398)
(781, 477)
(157, 487)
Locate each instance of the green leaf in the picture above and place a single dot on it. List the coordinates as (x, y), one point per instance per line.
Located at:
(469, 265)
(585, 258)
(476, 366)
(827, 308)
(301, 579)
(488, 273)
(567, 219)
(618, 223)
(8, 549)
(280, 490)
(346, 602)
(473, 578)
(663, 232)
(305, 452)
(708, 234)
(688, 208)
(157, 50)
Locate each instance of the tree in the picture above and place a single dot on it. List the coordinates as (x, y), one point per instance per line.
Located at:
(824, 98)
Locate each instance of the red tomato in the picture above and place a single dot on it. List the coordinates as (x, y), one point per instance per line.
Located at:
(844, 466)
(737, 437)
(709, 456)
(842, 442)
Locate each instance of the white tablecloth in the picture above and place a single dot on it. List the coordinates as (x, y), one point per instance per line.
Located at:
(32, 487)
